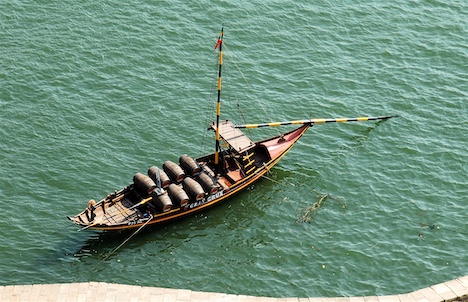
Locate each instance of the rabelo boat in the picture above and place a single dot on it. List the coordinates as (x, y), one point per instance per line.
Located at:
(194, 184)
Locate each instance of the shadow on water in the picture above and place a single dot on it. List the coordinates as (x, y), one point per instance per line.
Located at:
(84, 256)
(364, 135)
(72, 256)
(100, 243)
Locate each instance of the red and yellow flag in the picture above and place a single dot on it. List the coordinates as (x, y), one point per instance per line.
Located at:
(220, 39)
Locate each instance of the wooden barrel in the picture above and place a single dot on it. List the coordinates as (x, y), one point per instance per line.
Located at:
(144, 185)
(153, 173)
(193, 188)
(174, 171)
(207, 183)
(189, 165)
(178, 195)
(162, 201)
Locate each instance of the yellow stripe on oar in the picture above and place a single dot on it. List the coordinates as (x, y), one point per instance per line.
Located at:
(274, 124)
(341, 120)
(362, 119)
(251, 126)
(319, 121)
(298, 122)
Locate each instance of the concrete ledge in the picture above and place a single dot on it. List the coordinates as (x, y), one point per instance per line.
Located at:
(110, 292)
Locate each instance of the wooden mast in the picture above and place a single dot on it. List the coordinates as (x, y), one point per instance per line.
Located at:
(218, 107)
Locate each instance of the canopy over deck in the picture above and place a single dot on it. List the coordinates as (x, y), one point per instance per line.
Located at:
(233, 136)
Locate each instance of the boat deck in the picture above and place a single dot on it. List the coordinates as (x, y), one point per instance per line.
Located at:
(233, 136)
(100, 291)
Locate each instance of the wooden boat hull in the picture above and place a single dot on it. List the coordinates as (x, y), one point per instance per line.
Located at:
(125, 209)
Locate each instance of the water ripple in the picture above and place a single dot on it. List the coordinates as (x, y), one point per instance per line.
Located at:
(94, 92)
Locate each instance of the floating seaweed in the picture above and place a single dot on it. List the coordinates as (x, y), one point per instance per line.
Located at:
(305, 214)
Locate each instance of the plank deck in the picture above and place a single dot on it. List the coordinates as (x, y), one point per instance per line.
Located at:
(233, 136)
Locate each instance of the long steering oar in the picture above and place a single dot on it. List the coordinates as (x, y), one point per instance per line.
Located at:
(317, 121)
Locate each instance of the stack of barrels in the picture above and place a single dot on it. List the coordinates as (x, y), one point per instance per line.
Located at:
(176, 185)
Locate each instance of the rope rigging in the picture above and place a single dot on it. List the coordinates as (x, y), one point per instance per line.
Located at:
(209, 115)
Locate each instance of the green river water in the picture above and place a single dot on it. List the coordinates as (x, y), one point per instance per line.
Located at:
(92, 92)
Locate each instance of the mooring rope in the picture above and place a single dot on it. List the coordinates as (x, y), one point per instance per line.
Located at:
(125, 241)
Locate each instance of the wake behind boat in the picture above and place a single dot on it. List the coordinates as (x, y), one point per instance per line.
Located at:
(180, 189)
